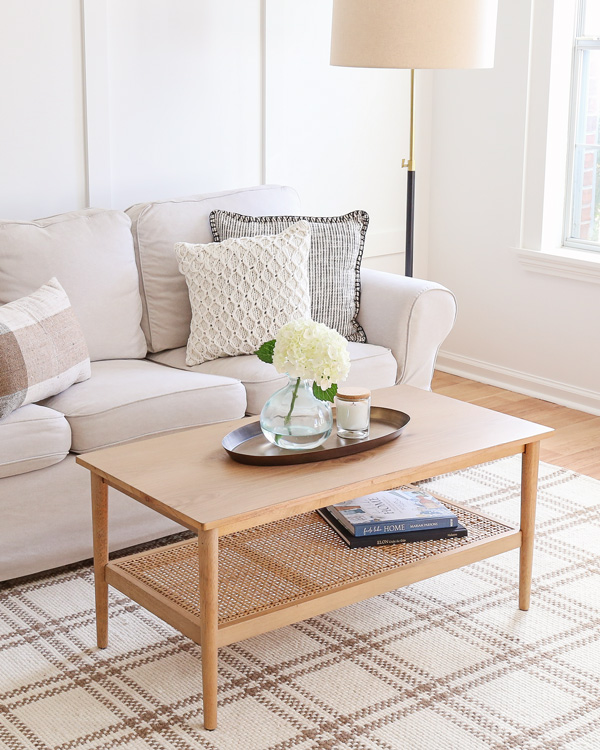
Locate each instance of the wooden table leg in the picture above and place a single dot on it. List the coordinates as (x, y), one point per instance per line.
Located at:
(208, 554)
(529, 480)
(100, 529)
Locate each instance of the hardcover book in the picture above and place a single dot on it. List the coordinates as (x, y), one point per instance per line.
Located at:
(400, 537)
(403, 509)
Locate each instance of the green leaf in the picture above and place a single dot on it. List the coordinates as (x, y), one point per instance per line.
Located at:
(325, 395)
(265, 352)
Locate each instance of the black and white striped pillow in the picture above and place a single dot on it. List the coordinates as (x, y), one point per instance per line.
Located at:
(337, 245)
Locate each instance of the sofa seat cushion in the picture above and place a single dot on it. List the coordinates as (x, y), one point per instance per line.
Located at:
(31, 438)
(129, 399)
(372, 367)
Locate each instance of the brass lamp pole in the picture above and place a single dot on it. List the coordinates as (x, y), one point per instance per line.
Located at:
(413, 34)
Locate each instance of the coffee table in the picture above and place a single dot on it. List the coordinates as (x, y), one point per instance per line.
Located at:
(263, 558)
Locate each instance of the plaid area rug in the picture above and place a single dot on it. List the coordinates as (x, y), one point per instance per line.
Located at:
(446, 663)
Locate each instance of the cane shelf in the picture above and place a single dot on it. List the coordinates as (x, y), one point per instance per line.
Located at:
(290, 561)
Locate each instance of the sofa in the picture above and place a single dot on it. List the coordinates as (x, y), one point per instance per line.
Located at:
(119, 271)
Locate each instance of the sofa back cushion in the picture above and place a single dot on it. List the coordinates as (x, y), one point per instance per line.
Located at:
(90, 252)
(157, 226)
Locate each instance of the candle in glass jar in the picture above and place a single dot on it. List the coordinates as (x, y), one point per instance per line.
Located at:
(353, 407)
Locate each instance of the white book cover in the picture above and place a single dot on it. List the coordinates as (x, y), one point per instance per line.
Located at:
(393, 510)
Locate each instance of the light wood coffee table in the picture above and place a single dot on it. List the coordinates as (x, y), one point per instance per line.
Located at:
(263, 558)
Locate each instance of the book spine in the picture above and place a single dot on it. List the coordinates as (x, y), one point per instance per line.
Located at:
(427, 535)
(368, 529)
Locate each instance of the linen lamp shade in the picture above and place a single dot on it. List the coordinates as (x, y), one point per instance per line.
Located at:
(413, 33)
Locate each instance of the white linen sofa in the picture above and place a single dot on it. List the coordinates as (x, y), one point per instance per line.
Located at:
(120, 273)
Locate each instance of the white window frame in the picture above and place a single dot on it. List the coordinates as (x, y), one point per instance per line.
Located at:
(542, 247)
(581, 43)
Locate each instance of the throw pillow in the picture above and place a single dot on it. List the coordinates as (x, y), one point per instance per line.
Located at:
(337, 245)
(42, 348)
(243, 290)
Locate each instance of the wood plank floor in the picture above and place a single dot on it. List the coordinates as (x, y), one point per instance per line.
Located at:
(576, 443)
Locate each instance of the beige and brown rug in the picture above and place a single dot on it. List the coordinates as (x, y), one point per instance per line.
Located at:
(447, 663)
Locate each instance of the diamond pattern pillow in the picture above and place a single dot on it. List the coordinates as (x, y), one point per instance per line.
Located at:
(243, 290)
(337, 245)
(42, 348)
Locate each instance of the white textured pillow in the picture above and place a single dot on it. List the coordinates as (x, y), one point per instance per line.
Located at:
(243, 290)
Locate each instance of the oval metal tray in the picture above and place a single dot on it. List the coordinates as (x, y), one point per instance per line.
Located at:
(248, 445)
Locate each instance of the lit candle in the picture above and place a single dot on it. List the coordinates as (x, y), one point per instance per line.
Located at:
(353, 406)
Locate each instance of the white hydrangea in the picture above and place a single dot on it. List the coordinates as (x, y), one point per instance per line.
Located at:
(305, 349)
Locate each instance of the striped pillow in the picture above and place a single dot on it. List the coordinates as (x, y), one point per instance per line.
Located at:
(42, 348)
(337, 245)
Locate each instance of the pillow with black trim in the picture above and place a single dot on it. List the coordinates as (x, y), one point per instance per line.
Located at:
(337, 245)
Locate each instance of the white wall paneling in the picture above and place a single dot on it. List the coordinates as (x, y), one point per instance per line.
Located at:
(42, 168)
(185, 96)
(337, 134)
(113, 102)
(119, 101)
(96, 103)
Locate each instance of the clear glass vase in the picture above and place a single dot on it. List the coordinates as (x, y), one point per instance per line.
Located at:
(294, 418)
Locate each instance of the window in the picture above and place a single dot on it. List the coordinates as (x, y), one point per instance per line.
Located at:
(582, 220)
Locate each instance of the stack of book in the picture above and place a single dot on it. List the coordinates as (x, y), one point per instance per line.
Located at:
(407, 514)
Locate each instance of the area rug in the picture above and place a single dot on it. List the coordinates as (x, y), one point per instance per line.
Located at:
(446, 663)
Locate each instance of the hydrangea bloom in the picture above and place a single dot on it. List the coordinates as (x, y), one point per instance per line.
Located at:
(305, 349)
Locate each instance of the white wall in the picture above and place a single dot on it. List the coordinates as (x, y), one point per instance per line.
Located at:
(528, 331)
(185, 97)
(42, 168)
(114, 102)
(339, 134)
(118, 101)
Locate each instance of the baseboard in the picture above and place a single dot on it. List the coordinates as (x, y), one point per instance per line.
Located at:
(521, 382)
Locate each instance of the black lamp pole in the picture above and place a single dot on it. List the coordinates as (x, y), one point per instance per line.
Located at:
(410, 185)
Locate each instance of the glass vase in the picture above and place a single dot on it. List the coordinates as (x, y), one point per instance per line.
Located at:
(294, 418)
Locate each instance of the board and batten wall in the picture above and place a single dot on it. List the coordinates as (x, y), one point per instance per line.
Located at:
(114, 102)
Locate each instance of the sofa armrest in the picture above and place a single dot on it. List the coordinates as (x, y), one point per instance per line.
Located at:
(411, 317)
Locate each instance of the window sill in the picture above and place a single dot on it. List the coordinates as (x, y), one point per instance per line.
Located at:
(565, 262)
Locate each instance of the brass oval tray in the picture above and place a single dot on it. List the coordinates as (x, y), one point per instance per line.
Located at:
(248, 445)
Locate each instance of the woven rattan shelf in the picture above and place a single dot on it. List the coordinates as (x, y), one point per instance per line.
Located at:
(285, 562)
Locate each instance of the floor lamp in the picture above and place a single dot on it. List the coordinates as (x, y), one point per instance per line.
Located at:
(413, 34)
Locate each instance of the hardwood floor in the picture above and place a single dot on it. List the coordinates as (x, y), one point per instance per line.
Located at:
(576, 443)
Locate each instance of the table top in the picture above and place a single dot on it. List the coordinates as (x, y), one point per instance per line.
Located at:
(188, 476)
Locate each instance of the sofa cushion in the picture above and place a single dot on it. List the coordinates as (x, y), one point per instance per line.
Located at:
(91, 253)
(371, 366)
(157, 226)
(129, 399)
(242, 291)
(32, 437)
(42, 349)
(336, 250)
